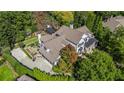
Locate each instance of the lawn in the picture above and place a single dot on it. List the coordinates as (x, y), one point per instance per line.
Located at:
(30, 41)
(20, 69)
(6, 73)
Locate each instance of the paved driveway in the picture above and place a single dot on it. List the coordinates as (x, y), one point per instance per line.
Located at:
(39, 63)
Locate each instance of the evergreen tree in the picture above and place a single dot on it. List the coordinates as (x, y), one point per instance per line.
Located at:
(80, 18)
(97, 66)
(14, 27)
(90, 20)
(98, 28)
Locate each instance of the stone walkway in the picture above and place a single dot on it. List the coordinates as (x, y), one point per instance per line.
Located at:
(39, 63)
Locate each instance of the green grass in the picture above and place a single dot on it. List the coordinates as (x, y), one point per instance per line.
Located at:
(6, 73)
(20, 69)
(30, 41)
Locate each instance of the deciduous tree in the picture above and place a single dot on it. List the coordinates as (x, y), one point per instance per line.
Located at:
(68, 58)
(97, 66)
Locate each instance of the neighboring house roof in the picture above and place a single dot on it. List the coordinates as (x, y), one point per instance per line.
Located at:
(114, 22)
(59, 39)
(120, 19)
(25, 78)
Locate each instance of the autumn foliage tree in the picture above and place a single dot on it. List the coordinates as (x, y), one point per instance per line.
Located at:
(68, 58)
(70, 52)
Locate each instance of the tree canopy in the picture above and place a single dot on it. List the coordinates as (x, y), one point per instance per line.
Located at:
(116, 45)
(97, 66)
(63, 18)
(80, 18)
(14, 27)
(68, 58)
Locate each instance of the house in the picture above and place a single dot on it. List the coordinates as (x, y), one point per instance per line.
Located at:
(25, 78)
(114, 22)
(81, 39)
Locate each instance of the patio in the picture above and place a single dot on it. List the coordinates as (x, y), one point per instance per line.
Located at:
(39, 62)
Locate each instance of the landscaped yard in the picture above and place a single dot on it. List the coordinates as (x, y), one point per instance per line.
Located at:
(6, 73)
(37, 74)
(30, 41)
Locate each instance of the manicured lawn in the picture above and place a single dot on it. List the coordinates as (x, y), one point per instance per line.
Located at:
(6, 73)
(30, 41)
(20, 69)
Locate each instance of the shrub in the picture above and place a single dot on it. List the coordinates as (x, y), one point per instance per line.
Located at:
(47, 77)
(2, 61)
(21, 44)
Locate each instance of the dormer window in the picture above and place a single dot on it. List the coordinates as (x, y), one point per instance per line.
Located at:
(80, 44)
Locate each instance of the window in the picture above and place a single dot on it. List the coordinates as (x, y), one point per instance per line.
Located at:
(80, 50)
(79, 45)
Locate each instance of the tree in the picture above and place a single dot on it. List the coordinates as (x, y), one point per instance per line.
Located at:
(97, 66)
(68, 58)
(105, 14)
(98, 28)
(90, 20)
(43, 19)
(116, 46)
(0, 51)
(80, 18)
(21, 44)
(39, 75)
(63, 18)
(14, 27)
(7, 29)
(104, 42)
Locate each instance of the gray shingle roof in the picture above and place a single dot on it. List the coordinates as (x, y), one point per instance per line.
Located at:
(114, 22)
(55, 45)
(90, 42)
(59, 39)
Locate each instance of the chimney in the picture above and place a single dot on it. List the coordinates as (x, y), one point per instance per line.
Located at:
(48, 26)
(47, 50)
(39, 38)
(71, 26)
